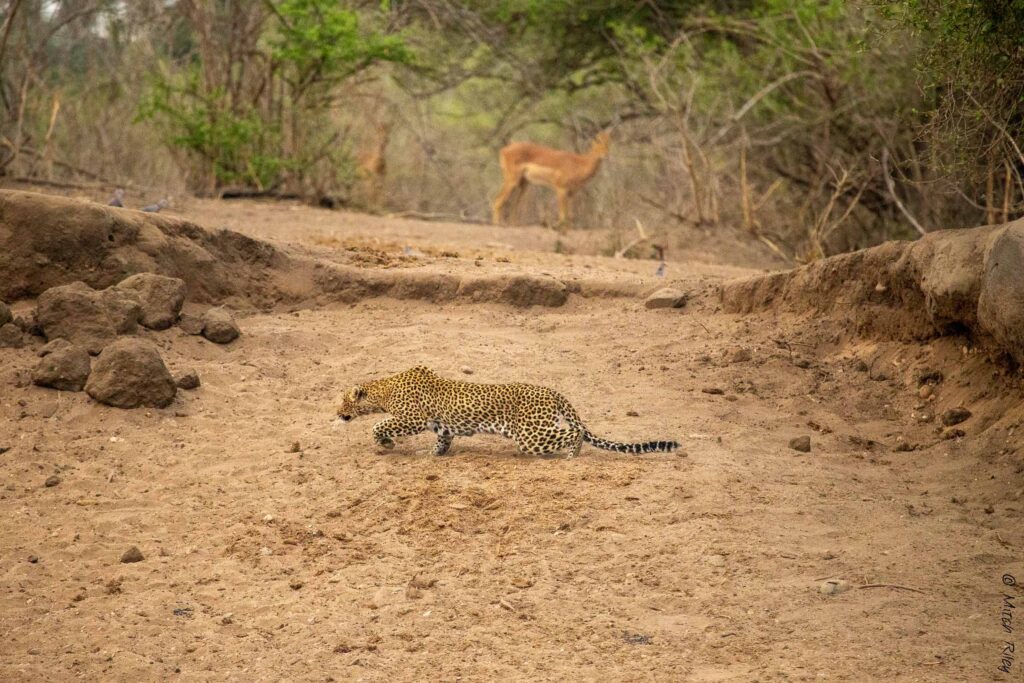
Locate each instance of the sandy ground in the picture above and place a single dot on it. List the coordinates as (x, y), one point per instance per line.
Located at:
(279, 548)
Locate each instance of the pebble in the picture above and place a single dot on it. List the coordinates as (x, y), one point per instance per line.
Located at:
(925, 391)
(465, 370)
(713, 390)
(295, 584)
(801, 443)
(32, 559)
(295, 447)
(228, 618)
(632, 413)
(715, 560)
(133, 554)
(189, 380)
(739, 355)
(833, 586)
(51, 480)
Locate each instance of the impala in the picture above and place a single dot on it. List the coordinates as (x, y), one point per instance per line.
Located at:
(564, 172)
(372, 165)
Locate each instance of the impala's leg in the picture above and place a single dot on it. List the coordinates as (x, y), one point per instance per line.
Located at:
(509, 186)
(564, 208)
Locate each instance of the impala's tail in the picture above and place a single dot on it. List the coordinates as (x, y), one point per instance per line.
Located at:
(645, 447)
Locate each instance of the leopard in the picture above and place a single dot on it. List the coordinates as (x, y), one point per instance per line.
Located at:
(539, 419)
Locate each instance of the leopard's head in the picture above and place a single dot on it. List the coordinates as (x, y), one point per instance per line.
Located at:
(357, 401)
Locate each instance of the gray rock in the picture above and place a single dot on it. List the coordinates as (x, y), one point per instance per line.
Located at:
(87, 317)
(190, 324)
(801, 443)
(955, 416)
(219, 326)
(63, 366)
(189, 380)
(133, 554)
(11, 336)
(1000, 308)
(667, 297)
(130, 373)
(160, 297)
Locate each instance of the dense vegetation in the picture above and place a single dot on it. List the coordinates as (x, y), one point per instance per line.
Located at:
(814, 126)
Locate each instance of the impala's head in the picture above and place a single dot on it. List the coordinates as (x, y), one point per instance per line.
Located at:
(601, 143)
(357, 401)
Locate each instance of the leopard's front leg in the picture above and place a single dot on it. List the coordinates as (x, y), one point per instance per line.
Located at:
(385, 431)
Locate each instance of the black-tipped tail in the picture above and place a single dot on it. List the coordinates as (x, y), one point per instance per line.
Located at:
(645, 447)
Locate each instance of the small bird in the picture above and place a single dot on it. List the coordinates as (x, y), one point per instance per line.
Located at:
(117, 199)
(155, 208)
(660, 272)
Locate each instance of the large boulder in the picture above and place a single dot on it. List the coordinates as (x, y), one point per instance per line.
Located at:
(130, 373)
(63, 366)
(87, 317)
(1001, 301)
(219, 326)
(160, 297)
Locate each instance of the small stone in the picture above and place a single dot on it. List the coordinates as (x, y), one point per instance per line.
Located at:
(713, 390)
(860, 366)
(802, 363)
(190, 324)
(632, 413)
(829, 555)
(228, 618)
(667, 297)
(188, 380)
(801, 443)
(955, 433)
(715, 560)
(295, 447)
(219, 327)
(51, 481)
(267, 519)
(32, 559)
(739, 355)
(904, 447)
(989, 509)
(133, 554)
(295, 584)
(925, 391)
(11, 336)
(955, 416)
(833, 587)
(466, 370)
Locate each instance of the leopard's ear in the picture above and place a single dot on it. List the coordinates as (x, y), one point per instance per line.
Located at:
(359, 393)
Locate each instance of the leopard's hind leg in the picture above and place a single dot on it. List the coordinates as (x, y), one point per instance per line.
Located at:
(548, 440)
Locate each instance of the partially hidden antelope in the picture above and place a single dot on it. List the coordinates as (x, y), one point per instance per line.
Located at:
(372, 165)
(564, 172)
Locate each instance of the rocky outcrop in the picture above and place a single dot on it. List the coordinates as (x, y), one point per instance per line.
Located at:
(948, 281)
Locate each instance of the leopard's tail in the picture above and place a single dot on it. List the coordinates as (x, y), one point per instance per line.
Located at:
(645, 447)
